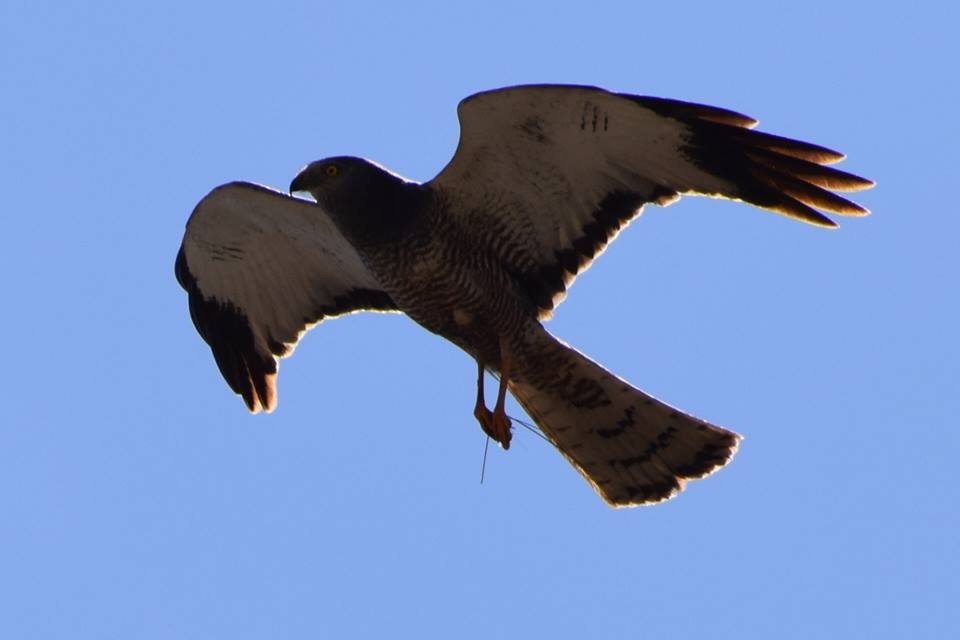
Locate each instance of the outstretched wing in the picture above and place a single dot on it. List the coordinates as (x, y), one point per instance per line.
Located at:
(260, 269)
(556, 171)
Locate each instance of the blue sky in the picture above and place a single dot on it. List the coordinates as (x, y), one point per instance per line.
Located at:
(140, 500)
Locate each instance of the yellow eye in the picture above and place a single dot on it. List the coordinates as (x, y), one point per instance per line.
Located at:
(332, 170)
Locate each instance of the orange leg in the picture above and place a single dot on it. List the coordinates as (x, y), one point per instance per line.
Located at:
(501, 423)
(480, 411)
(495, 424)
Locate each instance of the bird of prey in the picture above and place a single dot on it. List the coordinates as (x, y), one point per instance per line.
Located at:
(543, 178)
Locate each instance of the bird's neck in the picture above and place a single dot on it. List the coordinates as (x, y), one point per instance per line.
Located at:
(379, 212)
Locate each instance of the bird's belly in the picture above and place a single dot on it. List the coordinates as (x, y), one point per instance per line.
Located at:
(458, 318)
(452, 303)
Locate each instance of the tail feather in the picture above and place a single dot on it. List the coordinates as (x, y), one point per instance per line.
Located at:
(632, 448)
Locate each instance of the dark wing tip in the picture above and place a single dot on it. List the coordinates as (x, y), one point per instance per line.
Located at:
(792, 208)
(776, 173)
(227, 331)
(184, 278)
(250, 373)
(265, 398)
(806, 193)
(792, 148)
(770, 171)
(811, 172)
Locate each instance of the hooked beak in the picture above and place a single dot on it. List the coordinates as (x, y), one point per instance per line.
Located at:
(299, 183)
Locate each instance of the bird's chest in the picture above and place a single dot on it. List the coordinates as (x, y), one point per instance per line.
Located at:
(435, 285)
(450, 287)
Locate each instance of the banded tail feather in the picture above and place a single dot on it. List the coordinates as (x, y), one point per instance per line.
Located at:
(632, 448)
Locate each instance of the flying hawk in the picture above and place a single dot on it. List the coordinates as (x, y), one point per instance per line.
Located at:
(543, 178)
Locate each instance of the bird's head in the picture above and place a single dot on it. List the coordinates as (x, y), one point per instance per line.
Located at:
(360, 195)
(334, 181)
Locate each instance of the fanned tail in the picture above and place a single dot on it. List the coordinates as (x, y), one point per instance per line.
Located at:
(632, 448)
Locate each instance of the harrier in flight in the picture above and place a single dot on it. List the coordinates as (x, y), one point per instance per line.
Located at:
(543, 178)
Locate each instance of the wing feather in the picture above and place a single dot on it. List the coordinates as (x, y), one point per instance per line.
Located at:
(562, 169)
(260, 269)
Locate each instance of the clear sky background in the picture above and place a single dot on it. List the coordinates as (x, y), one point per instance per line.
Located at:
(138, 499)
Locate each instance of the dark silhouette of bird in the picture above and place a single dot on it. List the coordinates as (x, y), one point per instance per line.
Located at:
(544, 177)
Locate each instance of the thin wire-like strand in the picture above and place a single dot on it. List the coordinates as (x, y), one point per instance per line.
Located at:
(526, 425)
(532, 429)
(483, 465)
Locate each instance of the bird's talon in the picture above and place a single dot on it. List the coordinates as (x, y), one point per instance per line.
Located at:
(501, 428)
(495, 425)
